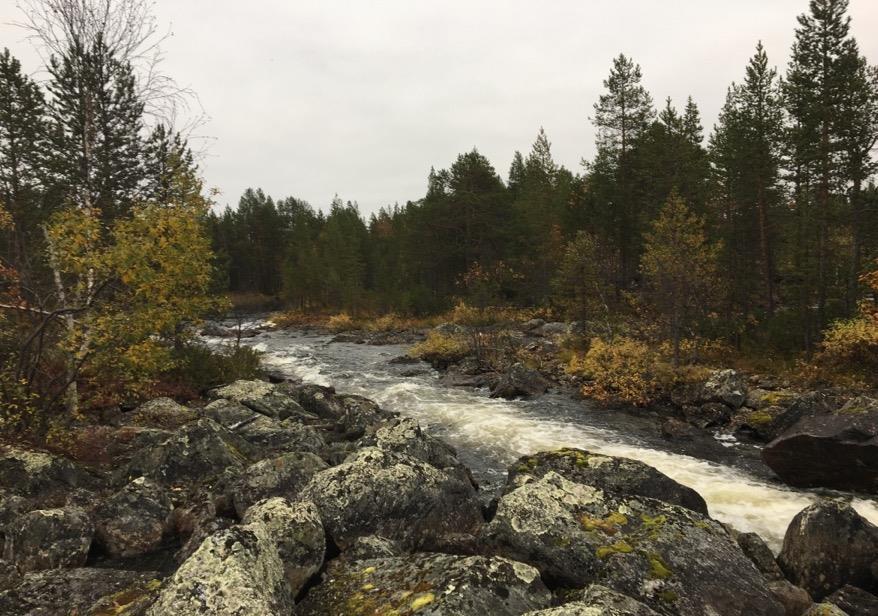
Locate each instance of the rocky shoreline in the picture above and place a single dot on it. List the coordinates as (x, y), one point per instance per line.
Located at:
(293, 499)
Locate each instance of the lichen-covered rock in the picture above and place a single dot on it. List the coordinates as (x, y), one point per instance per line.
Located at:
(760, 554)
(725, 386)
(237, 571)
(577, 534)
(196, 452)
(827, 546)
(372, 546)
(230, 414)
(426, 584)
(74, 591)
(598, 600)
(133, 600)
(612, 474)
(261, 397)
(403, 435)
(854, 601)
(9, 575)
(824, 609)
(31, 473)
(393, 495)
(49, 539)
(837, 451)
(163, 413)
(134, 520)
(298, 536)
(243, 390)
(354, 416)
(284, 475)
(520, 381)
(708, 415)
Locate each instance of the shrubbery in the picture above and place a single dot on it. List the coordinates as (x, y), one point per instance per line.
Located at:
(441, 349)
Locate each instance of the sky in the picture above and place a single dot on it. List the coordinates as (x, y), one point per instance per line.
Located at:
(360, 98)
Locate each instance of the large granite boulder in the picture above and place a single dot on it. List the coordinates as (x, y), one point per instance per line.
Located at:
(665, 556)
(353, 416)
(597, 600)
(620, 475)
(854, 601)
(162, 413)
(399, 497)
(79, 591)
(427, 584)
(31, 473)
(827, 546)
(134, 520)
(403, 435)
(726, 386)
(49, 539)
(262, 397)
(838, 450)
(284, 475)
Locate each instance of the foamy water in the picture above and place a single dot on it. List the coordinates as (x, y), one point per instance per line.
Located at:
(491, 434)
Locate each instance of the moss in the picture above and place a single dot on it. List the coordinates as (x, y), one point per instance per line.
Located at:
(776, 398)
(657, 568)
(620, 547)
(668, 596)
(759, 418)
(423, 601)
(608, 525)
(368, 570)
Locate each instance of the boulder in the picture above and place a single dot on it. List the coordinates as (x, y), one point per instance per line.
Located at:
(427, 584)
(109, 447)
(676, 430)
(827, 546)
(372, 546)
(708, 415)
(553, 329)
(75, 591)
(261, 397)
(665, 556)
(760, 554)
(198, 451)
(9, 576)
(393, 495)
(162, 413)
(284, 475)
(274, 437)
(532, 324)
(619, 475)
(234, 571)
(520, 381)
(725, 386)
(353, 415)
(838, 451)
(134, 520)
(854, 601)
(49, 539)
(298, 536)
(598, 600)
(824, 609)
(794, 600)
(31, 473)
(403, 435)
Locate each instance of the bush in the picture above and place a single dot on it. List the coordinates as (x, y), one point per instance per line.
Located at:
(199, 368)
(341, 322)
(440, 349)
(624, 370)
(849, 354)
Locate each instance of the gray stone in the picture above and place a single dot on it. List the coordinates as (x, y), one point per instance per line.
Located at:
(135, 520)
(284, 475)
(49, 539)
(598, 600)
(725, 386)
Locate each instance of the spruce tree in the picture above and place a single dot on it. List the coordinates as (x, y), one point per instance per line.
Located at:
(169, 169)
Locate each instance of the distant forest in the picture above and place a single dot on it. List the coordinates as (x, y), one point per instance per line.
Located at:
(783, 186)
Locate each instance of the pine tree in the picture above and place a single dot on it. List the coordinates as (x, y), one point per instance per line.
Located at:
(516, 174)
(692, 128)
(22, 175)
(169, 169)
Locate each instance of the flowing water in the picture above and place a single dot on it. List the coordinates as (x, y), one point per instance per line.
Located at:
(490, 434)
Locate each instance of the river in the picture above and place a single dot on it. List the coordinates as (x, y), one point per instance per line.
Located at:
(490, 434)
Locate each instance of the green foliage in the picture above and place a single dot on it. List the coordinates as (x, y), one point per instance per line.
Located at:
(441, 349)
(199, 368)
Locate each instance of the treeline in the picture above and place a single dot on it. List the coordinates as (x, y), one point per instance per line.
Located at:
(104, 259)
(783, 187)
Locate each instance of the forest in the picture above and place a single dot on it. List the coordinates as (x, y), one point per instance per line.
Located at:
(760, 234)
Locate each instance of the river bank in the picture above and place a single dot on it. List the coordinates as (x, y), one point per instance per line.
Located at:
(293, 498)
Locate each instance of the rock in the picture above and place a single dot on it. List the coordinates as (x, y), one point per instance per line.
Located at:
(598, 600)
(404, 360)
(577, 535)
(725, 386)
(281, 437)
(824, 609)
(676, 430)
(860, 405)
(261, 397)
(298, 536)
(427, 584)
(553, 329)
(234, 571)
(109, 447)
(284, 475)
(9, 576)
(49, 539)
(135, 520)
(854, 601)
(372, 546)
(73, 591)
(838, 451)
(827, 546)
(393, 495)
(450, 329)
(760, 554)
(404, 436)
(28, 473)
(758, 398)
(230, 414)
(215, 330)
(532, 324)
(353, 415)
(519, 381)
(794, 600)
(762, 425)
(132, 601)
(199, 451)
(708, 415)
(162, 413)
(619, 475)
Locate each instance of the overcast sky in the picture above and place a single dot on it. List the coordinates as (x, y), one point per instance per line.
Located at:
(316, 98)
